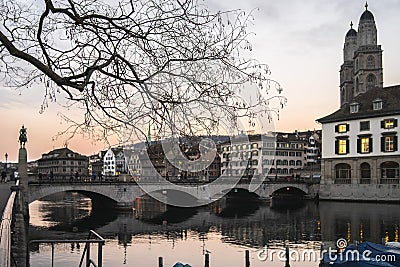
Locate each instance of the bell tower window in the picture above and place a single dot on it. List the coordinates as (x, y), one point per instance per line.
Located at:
(370, 62)
(371, 81)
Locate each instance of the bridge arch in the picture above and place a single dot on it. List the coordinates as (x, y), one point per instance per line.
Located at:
(37, 192)
(289, 191)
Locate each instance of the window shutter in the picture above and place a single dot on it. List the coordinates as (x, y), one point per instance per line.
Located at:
(336, 147)
(336, 128)
(347, 127)
(370, 145)
(383, 124)
(383, 144)
(347, 146)
(395, 142)
(395, 123)
(358, 145)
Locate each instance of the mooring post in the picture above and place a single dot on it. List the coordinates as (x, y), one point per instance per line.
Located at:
(160, 261)
(287, 264)
(247, 258)
(207, 260)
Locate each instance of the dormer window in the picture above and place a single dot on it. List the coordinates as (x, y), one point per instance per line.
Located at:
(354, 107)
(377, 104)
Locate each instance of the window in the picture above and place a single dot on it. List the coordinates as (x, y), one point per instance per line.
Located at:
(342, 146)
(255, 145)
(389, 143)
(371, 81)
(364, 145)
(389, 123)
(370, 62)
(354, 107)
(342, 128)
(377, 104)
(364, 126)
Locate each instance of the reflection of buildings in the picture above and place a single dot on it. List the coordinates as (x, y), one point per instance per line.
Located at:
(326, 221)
(360, 150)
(359, 221)
(146, 208)
(63, 163)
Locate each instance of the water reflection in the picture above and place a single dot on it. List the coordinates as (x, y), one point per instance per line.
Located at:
(228, 226)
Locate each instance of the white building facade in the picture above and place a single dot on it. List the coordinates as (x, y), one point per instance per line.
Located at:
(360, 154)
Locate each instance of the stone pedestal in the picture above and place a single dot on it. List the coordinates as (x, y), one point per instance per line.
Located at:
(23, 181)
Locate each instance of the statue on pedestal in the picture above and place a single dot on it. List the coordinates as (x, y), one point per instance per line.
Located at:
(22, 137)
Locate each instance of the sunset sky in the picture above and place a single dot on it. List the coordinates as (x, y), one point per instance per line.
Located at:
(301, 41)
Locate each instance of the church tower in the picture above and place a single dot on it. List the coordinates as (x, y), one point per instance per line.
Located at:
(347, 68)
(362, 68)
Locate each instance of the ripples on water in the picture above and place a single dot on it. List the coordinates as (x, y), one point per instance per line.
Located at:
(226, 228)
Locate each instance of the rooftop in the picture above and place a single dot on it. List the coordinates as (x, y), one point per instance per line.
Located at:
(390, 97)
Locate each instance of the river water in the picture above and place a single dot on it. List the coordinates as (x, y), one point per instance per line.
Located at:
(225, 228)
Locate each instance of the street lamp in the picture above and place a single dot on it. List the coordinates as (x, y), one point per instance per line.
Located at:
(6, 155)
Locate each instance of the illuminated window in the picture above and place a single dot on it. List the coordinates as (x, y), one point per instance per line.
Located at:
(342, 128)
(389, 143)
(365, 145)
(342, 146)
(389, 123)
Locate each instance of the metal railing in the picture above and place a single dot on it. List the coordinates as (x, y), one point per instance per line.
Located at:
(5, 231)
(342, 180)
(86, 256)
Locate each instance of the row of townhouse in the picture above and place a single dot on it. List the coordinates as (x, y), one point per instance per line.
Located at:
(273, 154)
(278, 154)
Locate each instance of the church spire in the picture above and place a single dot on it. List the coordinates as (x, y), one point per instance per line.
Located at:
(351, 24)
(366, 5)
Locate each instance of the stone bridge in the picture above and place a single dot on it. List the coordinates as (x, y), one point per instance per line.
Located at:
(124, 193)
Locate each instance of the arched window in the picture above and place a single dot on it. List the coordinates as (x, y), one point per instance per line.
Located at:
(371, 81)
(278, 162)
(285, 171)
(342, 173)
(299, 163)
(292, 163)
(285, 162)
(371, 62)
(365, 170)
(389, 172)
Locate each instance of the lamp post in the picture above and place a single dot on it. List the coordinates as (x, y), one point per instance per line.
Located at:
(6, 155)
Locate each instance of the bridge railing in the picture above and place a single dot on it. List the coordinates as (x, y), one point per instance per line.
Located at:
(5, 231)
(86, 258)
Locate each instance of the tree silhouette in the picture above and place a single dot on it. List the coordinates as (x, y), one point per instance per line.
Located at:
(173, 64)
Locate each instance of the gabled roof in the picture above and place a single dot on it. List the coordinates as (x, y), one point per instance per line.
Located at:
(63, 153)
(390, 97)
